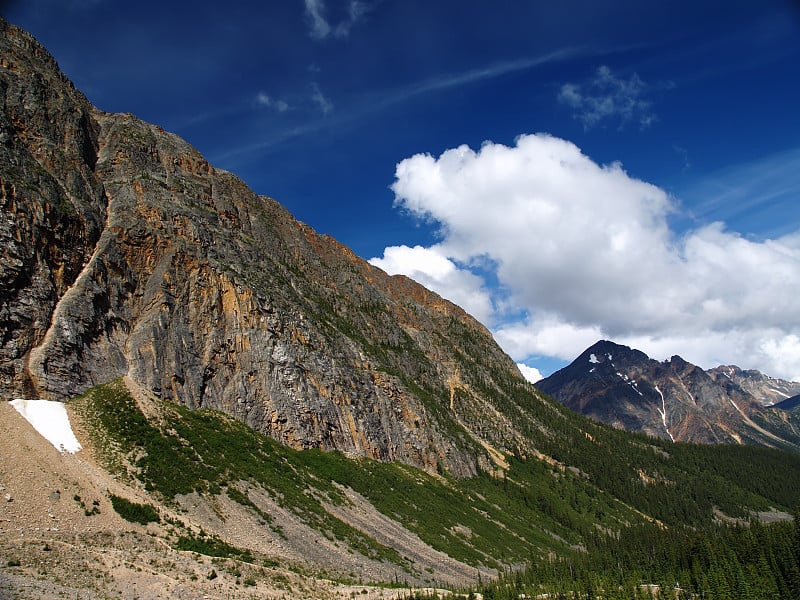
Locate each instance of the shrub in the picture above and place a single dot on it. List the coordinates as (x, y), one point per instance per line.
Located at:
(211, 545)
(133, 511)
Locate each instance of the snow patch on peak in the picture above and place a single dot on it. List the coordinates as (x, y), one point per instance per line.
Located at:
(593, 359)
(739, 410)
(663, 412)
(631, 382)
(50, 419)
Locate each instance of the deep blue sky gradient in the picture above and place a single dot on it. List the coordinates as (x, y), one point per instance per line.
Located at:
(724, 77)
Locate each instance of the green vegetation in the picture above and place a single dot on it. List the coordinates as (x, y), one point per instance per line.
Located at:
(677, 484)
(604, 487)
(238, 496)
(743, 562)
(133, 511)
(482, 521)
(211, 545)
(89, 512)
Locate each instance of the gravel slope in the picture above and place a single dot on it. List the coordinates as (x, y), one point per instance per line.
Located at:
(50, 548)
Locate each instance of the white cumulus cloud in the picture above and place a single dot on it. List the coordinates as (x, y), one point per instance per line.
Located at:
(584, 251)
(435, 271)
(532, 374)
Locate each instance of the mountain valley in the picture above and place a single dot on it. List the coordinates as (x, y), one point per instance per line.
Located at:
(264, 414)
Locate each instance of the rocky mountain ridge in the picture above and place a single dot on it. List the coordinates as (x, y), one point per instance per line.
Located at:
(209, 346)
(767, 390)
(126, 253)
(675, 399)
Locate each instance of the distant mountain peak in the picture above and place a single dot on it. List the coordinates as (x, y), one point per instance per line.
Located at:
(606, 350)
(606, 347)
(767, 390)
(673, 399)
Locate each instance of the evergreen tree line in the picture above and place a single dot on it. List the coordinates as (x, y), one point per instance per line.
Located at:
(753, 561)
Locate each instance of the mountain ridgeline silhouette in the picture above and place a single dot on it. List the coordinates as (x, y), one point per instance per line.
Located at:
(677, 400)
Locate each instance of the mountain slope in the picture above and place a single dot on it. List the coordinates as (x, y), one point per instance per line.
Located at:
(208, 346)
(789, 403)
(64, 535)
(212, 508)
(767, 390)
(128, 254)
(673, 399)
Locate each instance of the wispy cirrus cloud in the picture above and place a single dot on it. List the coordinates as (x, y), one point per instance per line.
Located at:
(386, 99)
(320, 99)
(260, 100)
(266, 101)
(321, 27)
(606, 97)
(487, 73)
(749, 191)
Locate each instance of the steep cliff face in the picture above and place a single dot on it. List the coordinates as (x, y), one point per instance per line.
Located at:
(125, 252)
(53, 204)
(673, 399)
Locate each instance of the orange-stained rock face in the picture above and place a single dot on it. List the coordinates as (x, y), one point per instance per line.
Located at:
(126, 253)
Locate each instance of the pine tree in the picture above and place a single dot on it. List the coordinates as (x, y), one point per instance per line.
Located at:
(793, 576)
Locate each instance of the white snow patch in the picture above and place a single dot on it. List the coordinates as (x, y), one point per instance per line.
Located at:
(593, 359)
(50, 419)
(629, 381)
(780, 393)
(663, 412)
(739, 410)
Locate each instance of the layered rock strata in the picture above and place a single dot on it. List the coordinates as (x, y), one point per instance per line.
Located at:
(124, 252)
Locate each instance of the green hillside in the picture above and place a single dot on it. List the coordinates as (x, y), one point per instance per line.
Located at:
(592, 486)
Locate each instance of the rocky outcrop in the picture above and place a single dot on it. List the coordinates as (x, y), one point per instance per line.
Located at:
(792, 403)
(674, 399)
(126, 253)
(767, 390)
(53, 204)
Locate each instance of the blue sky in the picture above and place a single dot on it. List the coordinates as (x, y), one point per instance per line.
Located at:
(565, 170)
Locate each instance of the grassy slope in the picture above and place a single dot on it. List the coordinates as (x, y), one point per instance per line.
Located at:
(602, 479)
